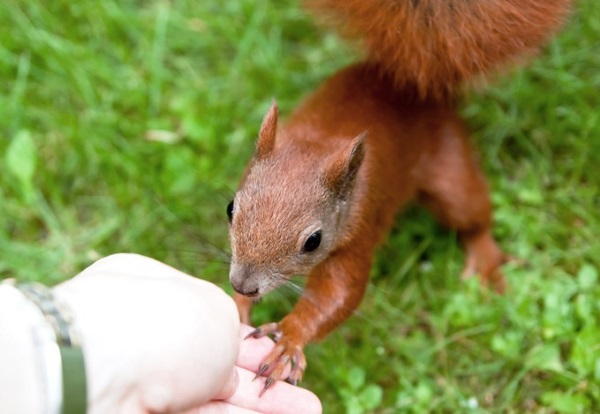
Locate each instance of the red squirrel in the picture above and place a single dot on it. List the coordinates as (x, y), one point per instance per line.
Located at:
(324, 188)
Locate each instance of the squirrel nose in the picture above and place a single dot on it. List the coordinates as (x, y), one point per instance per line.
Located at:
(243, 280)
(249, 293)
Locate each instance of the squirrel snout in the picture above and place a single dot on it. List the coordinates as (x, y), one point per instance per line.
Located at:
(242, 290)
(244, 281)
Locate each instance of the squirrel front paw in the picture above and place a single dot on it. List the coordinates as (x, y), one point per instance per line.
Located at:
(287, 351)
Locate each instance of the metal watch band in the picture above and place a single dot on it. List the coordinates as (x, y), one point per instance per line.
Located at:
(59, 317)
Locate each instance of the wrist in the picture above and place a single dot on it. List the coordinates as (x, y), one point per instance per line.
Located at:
(57, 356)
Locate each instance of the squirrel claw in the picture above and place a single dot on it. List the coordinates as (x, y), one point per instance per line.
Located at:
(268, 382)
(286, 352)
(261, 370)
(264, 330)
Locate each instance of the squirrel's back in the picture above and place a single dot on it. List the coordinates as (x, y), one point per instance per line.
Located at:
(437, 45)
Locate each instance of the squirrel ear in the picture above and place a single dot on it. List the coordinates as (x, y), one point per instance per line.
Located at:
(341, 173)
(267, 133)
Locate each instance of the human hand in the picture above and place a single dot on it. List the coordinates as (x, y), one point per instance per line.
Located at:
(281, 398)
(158, 340)
(154, 338)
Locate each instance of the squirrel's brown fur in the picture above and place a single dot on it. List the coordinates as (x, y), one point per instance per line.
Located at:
(323, 188)
(438, 45)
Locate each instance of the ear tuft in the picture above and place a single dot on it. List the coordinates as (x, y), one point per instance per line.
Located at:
(340, 175)
(267, 134)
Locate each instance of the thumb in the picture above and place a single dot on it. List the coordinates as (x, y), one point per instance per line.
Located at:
(230, 386)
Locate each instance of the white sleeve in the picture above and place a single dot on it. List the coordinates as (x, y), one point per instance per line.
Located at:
(30, 373)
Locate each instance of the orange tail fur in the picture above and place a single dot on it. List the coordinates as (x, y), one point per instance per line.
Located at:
(435, 46)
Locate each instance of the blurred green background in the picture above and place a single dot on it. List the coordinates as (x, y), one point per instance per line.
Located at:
(124, 126)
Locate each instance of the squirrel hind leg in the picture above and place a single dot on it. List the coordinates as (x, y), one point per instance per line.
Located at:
(454, 189)
(484, 258)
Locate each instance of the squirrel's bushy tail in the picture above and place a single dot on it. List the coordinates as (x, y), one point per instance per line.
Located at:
(436, 46)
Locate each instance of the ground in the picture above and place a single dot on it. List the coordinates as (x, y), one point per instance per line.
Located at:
(126, 125)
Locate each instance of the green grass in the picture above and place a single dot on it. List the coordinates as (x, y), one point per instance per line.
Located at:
(87, 87)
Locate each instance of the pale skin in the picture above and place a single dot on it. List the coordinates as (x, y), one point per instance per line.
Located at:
(155, 340)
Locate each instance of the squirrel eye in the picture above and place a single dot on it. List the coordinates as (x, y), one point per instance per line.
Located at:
(313, 242)
(230, 211)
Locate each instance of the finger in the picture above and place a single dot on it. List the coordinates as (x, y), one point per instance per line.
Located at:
(254, 351)
(280, 398)
(221, 407)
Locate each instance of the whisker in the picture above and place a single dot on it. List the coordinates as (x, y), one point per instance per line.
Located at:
(200, 256)
(295, 287)
(208, 245)
(290, 284)
(292, 288)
